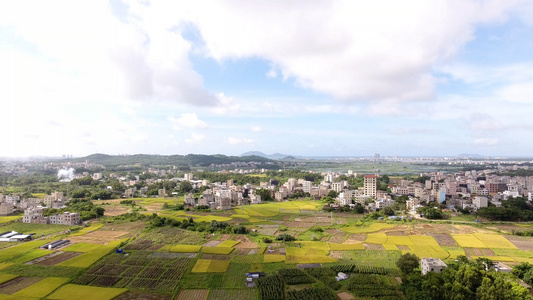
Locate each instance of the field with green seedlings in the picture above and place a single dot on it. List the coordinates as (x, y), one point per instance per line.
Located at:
(299, 248)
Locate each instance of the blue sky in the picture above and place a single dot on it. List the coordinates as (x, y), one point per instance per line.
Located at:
(318, 78)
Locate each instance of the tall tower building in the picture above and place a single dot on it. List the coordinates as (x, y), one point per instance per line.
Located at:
(370, 187)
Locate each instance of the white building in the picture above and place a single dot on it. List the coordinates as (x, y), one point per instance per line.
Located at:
(430, 264)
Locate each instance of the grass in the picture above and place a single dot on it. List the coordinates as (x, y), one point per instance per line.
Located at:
(16, 253)
(82, 292)
(7, 277)
(309, 259)
(41, 271)
(5, 265)
(217, 250)
(82, 247)
(85, 230)
(273, 258)
(7, 219)
(41, 288)
(186, 248)
(88, 258)
(345, 247)
(38, 229)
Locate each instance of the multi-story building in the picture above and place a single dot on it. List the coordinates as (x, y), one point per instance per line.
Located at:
(430, 264)
(65, 218)
(6, 209)
(370, 185)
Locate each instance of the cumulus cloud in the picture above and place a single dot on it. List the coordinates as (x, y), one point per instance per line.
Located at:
(187, 120)
(372, 51)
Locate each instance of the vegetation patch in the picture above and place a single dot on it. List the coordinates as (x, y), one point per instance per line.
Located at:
(208, 266)
(85, 230)
(273, 258)
(228, 243)
(185, 248)
(374, 227)
(469, 241)
(217, 250)
(309, 259)
(495, 241)
(376, 238)
(41, 288)
(311, 294)
(84, 292)
(345, 247)
(7, 277)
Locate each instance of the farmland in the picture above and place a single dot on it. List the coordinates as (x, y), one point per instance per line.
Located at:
(175, 263)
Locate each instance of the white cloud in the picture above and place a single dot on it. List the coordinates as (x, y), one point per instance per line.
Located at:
(271, 74)
(239, 141)
(519, 92)
(256, 129)
(376, 50)
(195, 138)
(486, 141)
(187, 120)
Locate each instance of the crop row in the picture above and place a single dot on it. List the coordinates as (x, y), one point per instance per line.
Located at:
(326, 275)
(350, 268)
(271, 287)
(295, 276)
(374, 290)
(311, 294)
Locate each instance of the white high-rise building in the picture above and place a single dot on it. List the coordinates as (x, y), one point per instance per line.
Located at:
(370, 185)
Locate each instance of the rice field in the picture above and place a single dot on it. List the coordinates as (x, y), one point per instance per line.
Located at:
(374, 227)
(208, 266)
(41, 288)
(83, 292)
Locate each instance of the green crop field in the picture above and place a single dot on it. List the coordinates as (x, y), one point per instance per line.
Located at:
(41, 288)
(82, 292)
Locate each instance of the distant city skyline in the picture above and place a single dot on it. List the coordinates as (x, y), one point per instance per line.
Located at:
(306, 78)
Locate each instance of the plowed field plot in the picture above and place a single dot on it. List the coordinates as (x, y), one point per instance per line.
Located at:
(300, 224)
(139, 245)
(268, 231)
(151, 273)
(224, 237)
(357, 237)
(216, 256)
(444, 239)
(473, 251)
(18, 284)
(231, 295)
(98, 237)
(143, 284)
(396, 233)
(373, 246)
(53, 258)
(333, 231)
(85, 279)
(192, 295)
(242, 251)
(253, 251)
(337, 238)
(522, 243)
(105, 281)
(212, 243)
(335, 254)
(142, 296)
(403, 247)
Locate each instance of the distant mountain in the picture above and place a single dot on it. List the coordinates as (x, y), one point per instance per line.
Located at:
(276, 156)
(191, 160)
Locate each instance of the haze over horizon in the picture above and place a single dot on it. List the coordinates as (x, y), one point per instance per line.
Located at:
(310, 78)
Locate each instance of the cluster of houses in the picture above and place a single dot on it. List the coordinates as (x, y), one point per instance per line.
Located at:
(33, 209)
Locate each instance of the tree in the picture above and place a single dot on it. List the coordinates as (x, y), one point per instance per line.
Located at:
(359, 209)
(265, 194)
(332, 194)
(388, 211)
(185, 187)
(407, 263)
